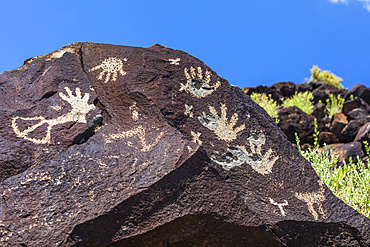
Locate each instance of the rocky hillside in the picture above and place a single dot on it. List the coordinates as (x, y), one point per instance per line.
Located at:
(345, 132)
(104, 145)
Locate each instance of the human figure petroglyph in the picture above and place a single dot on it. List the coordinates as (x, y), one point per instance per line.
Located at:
(236, 156)
(138, 132)
(222, 127)
(188, 111)
(311, 198)
(80, 107)
(134, 112)
(110, 66)
(196, 84)
(280, 205)
(196, 137)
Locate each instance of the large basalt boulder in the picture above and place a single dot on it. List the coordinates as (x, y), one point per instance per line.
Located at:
(104, 145)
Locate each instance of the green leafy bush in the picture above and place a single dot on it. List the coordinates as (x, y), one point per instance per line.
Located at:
(317, 75)
(266, 103)
(351, 182)
(334, 105)
(301, 100)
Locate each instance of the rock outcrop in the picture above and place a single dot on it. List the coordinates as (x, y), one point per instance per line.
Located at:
(104, 145)
(342, 128)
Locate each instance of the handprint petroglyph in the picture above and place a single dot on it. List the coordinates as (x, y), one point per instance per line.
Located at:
(261, 163)
(311, 198)
(111, 66)
(223, 128)
(280, 205)
(80, 107)
(196, 84)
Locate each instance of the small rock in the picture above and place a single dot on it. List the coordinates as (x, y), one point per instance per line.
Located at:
(328, 138)
(353, 104)
(363, 135)
(345, 151)
(349, 132)
(359, 114)
(356, 90)
(338, 122)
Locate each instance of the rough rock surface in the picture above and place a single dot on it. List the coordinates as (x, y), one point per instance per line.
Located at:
(294, 120)
(104, 145)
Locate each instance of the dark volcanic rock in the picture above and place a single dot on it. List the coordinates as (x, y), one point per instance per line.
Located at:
(359, 114)
(281, 90)
(346, 151)
(363, 134)
(349, 132)
(356, 90)
(350, 105)
(106, 145)
(328, 138)
(360, 91)
(338, 123)
(294, 120)
(323, 92)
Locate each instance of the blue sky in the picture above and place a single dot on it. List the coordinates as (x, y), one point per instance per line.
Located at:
(249, 43)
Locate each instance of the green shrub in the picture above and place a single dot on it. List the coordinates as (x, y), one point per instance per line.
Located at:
(351, 182)
(301, 100)
(266, 103)
(317, 75)
(334, 105)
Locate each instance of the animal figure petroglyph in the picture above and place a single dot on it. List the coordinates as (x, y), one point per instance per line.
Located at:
(196, 84)
(311, 198)
(280, 205)
(139, 132)
(222, 127)
(80, 107)
(111, 66)
(261, 163)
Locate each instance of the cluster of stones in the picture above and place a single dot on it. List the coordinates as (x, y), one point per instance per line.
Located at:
(344, 133)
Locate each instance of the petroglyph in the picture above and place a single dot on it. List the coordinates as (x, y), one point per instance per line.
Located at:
(175, 61)
(235, 156)
(111, 66)
(188, 111)
(280, 205)
(259, 162)
(56, 107)
(196, 137)
(196, 84)
(134, 112)
(80, 107)
(223, 128)
(311, 198)
(138, 132)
